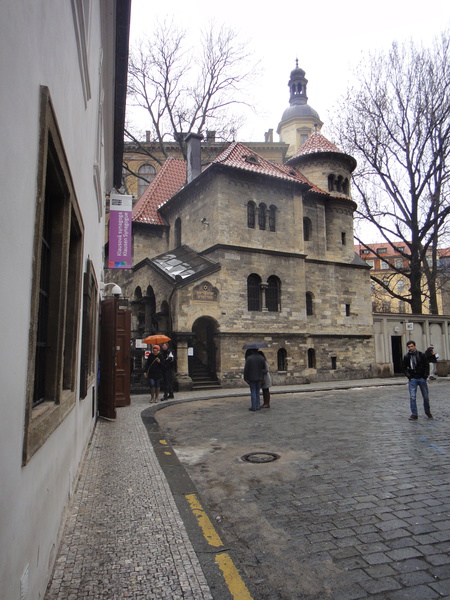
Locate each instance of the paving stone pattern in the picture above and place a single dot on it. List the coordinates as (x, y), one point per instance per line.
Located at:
(358, 506)
(124, 537)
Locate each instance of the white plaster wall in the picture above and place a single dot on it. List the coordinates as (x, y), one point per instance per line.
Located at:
(38, 47)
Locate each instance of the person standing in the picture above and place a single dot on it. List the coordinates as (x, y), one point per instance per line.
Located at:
(154, 371)
(254, 370)
(168, 363)
(416, 369)
(266, 383)
(431, 357)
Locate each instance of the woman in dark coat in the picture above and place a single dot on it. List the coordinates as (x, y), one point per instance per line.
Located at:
(154, 371)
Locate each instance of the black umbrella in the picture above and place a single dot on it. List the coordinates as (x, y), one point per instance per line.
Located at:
(254, 345)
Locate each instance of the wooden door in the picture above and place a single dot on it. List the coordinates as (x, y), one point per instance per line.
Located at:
(115, 334)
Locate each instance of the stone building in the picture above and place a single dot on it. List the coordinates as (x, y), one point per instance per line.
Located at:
(248, 249)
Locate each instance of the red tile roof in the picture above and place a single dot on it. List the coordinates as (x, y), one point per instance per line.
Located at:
(241, 157)
(167, 182)
(316, 143)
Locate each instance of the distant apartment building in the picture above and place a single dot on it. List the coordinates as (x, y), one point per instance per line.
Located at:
(387, 262)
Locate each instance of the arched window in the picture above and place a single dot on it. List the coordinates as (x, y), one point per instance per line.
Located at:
(339, 184)
(331, 182)
(273, 294)
(251, 214)
(262, 215)
(254, 292)
(146, 173)
(311, 358)
(345, 187)
(138, 293)
(309, 303)
(282, 360)
(177, 233)
(272, 217)
(307, 229)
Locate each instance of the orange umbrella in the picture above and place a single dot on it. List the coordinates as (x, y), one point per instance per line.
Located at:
(156, 339)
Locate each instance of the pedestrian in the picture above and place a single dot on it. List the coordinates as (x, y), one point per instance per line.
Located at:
(154, 371)
(168, 363)
(254, 370)
(431, 357)
(416, 369)
(266, 383)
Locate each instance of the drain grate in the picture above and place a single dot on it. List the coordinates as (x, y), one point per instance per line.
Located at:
(260, 457)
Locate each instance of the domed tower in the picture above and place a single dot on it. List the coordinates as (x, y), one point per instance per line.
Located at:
(299, 121)
(330, 169)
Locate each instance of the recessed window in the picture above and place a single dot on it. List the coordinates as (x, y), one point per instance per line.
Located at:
(311, 358)
(343, 238)
(56, 291)
(334, 363)
(282, 359)
(262, 215)
(273, 294)
(347, 310)
(307, 229)
(177, 233)
(272, 217)
(309, 304)
(254, 292)
(251, 214)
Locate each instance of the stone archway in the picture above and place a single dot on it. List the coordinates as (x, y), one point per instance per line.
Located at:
(205, 347)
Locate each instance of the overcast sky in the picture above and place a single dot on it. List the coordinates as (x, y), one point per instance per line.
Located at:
(328, 38)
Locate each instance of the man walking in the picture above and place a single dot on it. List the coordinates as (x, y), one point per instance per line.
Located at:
(254, 371)
(416, 369)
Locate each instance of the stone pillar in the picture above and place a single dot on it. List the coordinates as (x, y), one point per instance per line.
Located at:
(184, 381)
(264, 287)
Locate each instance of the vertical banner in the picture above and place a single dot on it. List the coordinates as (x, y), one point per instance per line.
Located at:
(120, 209)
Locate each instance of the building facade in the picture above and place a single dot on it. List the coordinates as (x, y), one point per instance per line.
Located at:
(64, 67)
(248, 249)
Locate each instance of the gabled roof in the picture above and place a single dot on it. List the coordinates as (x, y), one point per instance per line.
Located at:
(167, 182)
(241, 157)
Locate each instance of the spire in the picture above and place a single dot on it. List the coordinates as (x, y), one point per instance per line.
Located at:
(297, 85)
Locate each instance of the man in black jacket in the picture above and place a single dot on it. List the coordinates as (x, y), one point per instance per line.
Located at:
(416, 369)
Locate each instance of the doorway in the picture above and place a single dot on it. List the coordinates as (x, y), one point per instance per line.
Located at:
(397, 354)
(204, 346)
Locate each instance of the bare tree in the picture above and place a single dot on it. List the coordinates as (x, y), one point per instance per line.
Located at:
(186, 89)
(396, 122)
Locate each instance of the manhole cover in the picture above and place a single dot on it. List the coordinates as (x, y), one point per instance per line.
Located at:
(260, 457)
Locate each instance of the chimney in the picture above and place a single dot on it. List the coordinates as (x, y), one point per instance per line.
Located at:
(147, 136)
(194, 155)
(268, 136)
(210, 136)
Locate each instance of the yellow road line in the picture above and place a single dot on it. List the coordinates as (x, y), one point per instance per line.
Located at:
(236, 586)
(203, 520)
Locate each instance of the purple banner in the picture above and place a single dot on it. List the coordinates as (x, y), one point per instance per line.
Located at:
(120, 231)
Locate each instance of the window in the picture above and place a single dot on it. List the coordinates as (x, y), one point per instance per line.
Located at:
(399, 263)
(146, 174)
(343, 238)
(251, 213)
(400, 285)
(272, 217)
(309, 304)
(89, 330)
(370, 263)
(347, 310)
(311, 358)
(273, 294)
(254, 292)
(401, 306)
(346, 187)
(334, 363)
(262, 216)
(307, 229)
(282, 360)
(384, 265)
(382, 250)
(331, 182)
(177, 233)
(56, 291)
